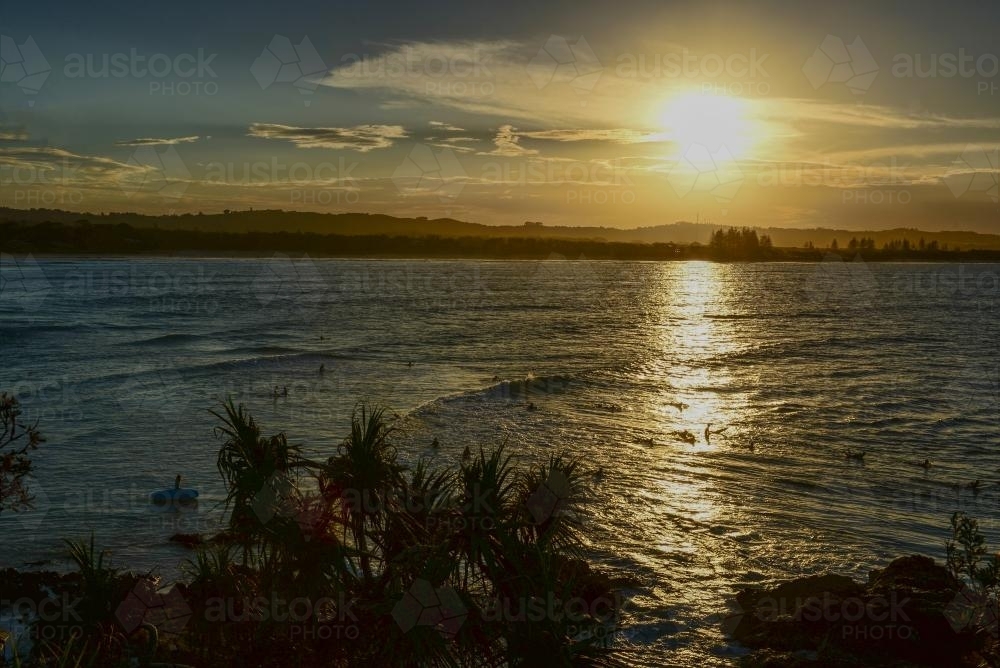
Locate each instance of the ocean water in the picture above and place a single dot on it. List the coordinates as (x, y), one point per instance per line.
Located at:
(121, 362)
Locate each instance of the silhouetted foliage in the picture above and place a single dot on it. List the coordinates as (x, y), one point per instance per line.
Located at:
(725, 245)
(969, 558)
(740, 244)
(362, 541)
(17, 440)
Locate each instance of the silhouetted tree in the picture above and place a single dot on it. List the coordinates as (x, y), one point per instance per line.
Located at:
(740, 243)
(16, 442)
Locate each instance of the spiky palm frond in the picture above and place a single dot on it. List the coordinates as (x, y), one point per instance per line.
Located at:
(258, 471)
(552, 497)
(366, 477)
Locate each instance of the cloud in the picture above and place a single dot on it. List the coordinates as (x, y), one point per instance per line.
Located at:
(486, 78)
(156, 141)
(458, 148)
(946, 150)
(507, 143)
(446, 126)
(9, 133)
(614, 135)
(409, 66)
(51, 167)
(874, 116)
(454, 143)
(361, 138)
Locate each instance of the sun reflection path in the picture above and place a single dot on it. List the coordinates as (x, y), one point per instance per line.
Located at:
(697, 302)
(693, 509)
(698, 332)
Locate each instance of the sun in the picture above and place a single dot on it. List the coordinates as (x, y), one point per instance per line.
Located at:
(712, 121)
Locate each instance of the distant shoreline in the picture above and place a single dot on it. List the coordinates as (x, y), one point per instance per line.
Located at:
(679, 232)
(57, 240)
(197, 256)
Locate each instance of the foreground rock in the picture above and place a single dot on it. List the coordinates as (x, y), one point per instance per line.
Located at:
(18, 585)
(912, 613)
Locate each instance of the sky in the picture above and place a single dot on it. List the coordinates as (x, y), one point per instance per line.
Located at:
(856, 115)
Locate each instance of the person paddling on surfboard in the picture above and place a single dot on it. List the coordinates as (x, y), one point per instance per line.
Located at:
(174, 495)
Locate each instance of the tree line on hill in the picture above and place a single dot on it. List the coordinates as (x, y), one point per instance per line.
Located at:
(732, 244)
(374, 224)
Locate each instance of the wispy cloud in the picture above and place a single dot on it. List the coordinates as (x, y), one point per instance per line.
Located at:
(361, 138)
(454, 143)
(411, 66)
(47, 166)
(448, 127)
(874, 116)
(486, 78)
(157, 141)
(946, 150)
(613, 135)
(507, 143)
(8, 133)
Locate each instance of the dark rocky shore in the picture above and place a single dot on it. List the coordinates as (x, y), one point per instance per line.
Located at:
(911, 613)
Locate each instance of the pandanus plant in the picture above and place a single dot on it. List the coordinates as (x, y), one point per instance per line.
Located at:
(258, 474)
(491, 532)
(364, 479)
(488, 512)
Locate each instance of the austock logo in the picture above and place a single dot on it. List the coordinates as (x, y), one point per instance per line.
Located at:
(283, 62)
(972, 611)
(276, 497)
(426, 605)
(977, 169)
(161, 173)
(147, 392)
(559, 61)
(164, 608)
(856, 618)
(23, 65)
(590, 281)
(836, 283)
(973, 389)
(22, 282)
(550, 499)
(564, 273)
(703, 171)
(286, 284)
(833, 61)
(33, 516)
(426, 170)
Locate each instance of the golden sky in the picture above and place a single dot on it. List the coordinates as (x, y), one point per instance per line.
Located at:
(646, 113)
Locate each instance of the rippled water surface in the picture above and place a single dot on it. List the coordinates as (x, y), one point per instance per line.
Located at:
(792, 364)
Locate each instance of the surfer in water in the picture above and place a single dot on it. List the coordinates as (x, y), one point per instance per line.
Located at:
(177, 481)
